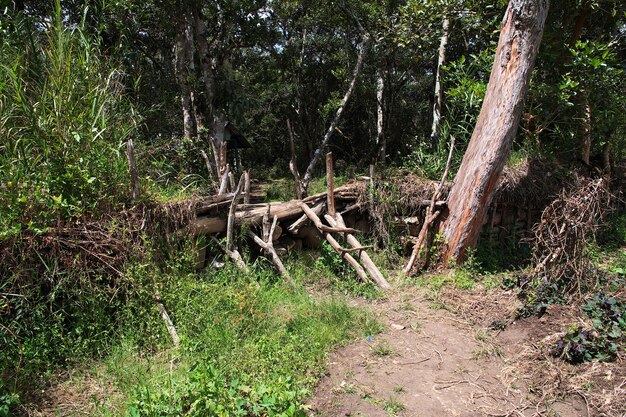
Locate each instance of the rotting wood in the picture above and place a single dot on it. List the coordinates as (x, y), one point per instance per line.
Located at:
(253, 213)
(246, 194)
(369, 265)
(304, 219)
(224, 181)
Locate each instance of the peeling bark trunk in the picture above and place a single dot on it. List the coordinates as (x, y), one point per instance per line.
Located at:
(183, 60)
(489, 147)
(380, 135)
(317, 156)
(438, 93)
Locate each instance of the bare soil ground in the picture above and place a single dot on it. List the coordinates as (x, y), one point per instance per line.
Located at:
(448, 362)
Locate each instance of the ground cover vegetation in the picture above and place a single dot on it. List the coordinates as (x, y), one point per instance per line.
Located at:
(87, 267)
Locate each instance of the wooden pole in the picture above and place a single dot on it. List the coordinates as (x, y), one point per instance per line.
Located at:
(268, 246)
(330, 181)
(246, 196)
(335, 245)
(369, 265)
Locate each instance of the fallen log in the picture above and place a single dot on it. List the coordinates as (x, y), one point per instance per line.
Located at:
(253, 213)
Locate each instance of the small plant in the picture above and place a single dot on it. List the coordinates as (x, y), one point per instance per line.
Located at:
(393, 406)
(7, 402)
(600, 341)
(382, 349)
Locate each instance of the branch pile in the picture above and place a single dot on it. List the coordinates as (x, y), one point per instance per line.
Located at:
(568, 225)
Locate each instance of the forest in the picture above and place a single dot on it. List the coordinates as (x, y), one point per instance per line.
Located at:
(313, 208)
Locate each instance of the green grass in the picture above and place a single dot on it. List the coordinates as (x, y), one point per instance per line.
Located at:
(250, 344)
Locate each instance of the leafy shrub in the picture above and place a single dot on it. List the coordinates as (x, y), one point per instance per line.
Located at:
(600, 342)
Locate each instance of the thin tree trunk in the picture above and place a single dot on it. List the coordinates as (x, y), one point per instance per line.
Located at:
(584, 127)
(438, 93)
(380, 114)
(489, 147)
(206, 70)
(317, 155)
(182, 63)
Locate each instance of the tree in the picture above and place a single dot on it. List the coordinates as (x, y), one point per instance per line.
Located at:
(489, 147)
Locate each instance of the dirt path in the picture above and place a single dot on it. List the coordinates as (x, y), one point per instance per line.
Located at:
(428, 363)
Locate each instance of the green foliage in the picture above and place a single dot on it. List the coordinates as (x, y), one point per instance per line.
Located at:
(601, 341)
(247, 350)
(342, 275)
(7, 402)
(64, 119)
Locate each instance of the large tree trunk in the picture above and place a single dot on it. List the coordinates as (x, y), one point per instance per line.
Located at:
(183, 60)
(489, 147)
(438, 93)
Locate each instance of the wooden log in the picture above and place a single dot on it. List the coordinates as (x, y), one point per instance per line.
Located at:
(335, 245)
(268, 246)
(330, 182)
(304, 219)
(231, 216)
(246, 195)
(253, 213)
(318, 223)
(234, 255)
(169, 325)
(371, 267)
(224, 181)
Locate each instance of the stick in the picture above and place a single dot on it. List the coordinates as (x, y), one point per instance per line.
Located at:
(369, 265)
(168, 322)
(234, 255)
(231, 216)
(430, 215)
(293, 166)
(335, 245)
(246, 196)
(268, 246)
(330, 181)
(224, 181)
(318, 223)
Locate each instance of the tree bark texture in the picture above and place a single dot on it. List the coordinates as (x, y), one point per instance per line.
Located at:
(489, 147)
(438, 93)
